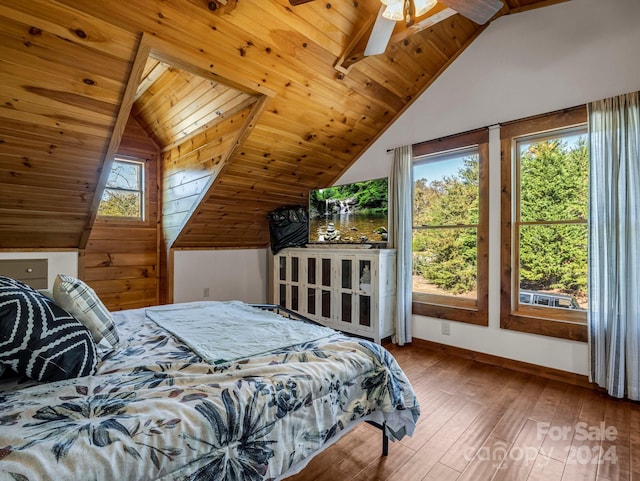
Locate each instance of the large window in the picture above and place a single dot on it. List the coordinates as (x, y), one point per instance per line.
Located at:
(545, 225)
(450, 228)
(123, 197)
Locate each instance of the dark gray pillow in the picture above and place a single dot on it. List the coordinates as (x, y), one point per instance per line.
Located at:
(39, 339)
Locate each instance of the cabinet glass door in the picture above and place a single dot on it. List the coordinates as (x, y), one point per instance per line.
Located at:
(295, 303)
(311, 300)
(347, 295)
(281, 292)
(364, 276)
(364, 287)
(364, 313)
(311, 271)
(326, 272)
(282, 271)
(346, 273)
(325, 302)
(282, 300)
(346, 308)
(294, 277)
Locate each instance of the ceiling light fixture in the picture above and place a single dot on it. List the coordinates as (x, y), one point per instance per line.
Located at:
(400, 9)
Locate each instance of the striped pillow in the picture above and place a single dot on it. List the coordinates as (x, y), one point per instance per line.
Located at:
(77, 298)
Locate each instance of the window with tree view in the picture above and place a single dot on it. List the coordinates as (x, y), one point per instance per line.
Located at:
(551, 220)
(123, 196)
(448, 231)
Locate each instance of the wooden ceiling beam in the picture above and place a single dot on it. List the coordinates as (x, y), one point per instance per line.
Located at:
(117, 132)
(150, 77)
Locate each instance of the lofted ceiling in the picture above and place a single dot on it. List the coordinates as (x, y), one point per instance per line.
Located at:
(251, 103)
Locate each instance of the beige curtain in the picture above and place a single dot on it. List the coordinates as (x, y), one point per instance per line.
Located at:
(401, 218)
(614, 244)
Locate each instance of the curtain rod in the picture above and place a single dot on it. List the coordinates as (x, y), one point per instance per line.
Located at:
(447, 136)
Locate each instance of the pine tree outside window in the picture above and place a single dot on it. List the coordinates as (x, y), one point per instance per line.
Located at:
(544, 225)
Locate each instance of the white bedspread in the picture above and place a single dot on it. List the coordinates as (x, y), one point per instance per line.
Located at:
(154, 411)
(228, 331)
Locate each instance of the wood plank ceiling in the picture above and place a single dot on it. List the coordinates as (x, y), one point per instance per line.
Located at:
(256, 102)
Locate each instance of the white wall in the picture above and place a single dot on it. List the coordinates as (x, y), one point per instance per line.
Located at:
(60, 262)
(228, 274)
(522, 65)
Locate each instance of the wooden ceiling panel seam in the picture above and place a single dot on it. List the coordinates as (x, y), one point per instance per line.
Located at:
(277, 166)
(324, 118)
(73, 25)
(307, 134)
(283, 17)
(70, 124)
(202, 147)
(40, 179)
(17, 147)
(40, 101)
(279, 160)
(159, 120)
(42, 133)
(48, 48)
(18, 168)
(49, 75)
(204, 118)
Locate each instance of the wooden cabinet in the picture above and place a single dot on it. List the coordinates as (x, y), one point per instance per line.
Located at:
(352, 290)
(32, 272)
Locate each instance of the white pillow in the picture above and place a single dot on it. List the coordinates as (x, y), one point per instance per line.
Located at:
(79, 300)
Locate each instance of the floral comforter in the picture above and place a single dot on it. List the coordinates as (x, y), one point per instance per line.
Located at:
(155, 410)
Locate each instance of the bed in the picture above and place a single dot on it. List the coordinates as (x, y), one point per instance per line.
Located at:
(156, 410)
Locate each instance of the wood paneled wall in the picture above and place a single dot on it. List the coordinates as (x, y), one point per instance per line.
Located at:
(61, 80)
(191, 167)
(120, 261)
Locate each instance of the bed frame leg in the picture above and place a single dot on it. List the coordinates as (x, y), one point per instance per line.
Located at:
(385, 443)
(385, 438)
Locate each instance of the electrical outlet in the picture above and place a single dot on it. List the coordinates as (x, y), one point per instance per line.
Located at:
(446, 328)
(205, 292)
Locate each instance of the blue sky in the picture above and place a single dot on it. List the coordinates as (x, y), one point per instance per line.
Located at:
(437, 170)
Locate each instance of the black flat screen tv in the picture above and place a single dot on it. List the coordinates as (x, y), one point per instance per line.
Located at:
(356, 213)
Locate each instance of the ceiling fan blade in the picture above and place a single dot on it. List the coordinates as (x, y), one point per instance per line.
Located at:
(380, 35)
(299, 2)
(478, 11)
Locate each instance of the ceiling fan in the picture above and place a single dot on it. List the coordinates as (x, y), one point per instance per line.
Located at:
(391, 11)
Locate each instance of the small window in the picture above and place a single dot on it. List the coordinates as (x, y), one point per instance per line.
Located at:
(123, 196)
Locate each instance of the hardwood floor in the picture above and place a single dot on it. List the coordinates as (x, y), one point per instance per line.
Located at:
(482, 422)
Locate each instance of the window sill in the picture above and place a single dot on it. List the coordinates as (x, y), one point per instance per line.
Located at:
(571, 330)
(460, 314)
(121, 221)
